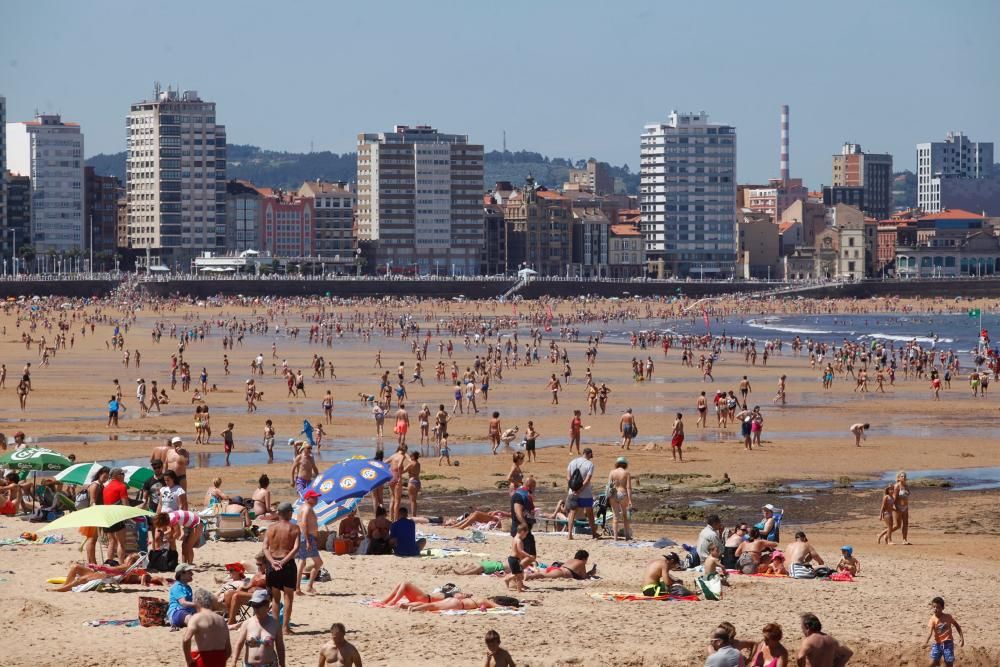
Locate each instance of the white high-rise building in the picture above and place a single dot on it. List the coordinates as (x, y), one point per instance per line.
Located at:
(955, 157)
(50, 152)
(3, 176)
(420, 196)
(175, 178)
(687, 196)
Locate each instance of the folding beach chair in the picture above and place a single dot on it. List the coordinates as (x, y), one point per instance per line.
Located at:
(230, 527)
(112, 582)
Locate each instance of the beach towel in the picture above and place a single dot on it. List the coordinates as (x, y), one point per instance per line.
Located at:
(842, 576)
(635, 544)
(496, 611)
(127, 622)
(710, 587)
(448, 552)
(639, 597)
(772, 576)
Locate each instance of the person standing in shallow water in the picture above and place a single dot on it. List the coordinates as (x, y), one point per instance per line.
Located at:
(901, 504)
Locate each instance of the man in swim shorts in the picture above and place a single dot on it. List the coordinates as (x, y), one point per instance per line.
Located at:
(657, 580)
(308, 542)
(209, 632)
(281, 544)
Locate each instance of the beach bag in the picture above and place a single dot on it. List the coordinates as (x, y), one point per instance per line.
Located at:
(576, 480)
(152, 612)
(82, 500)
(822, 572)
(162, 560)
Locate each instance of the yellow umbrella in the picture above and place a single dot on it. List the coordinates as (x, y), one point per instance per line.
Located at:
(95, 516)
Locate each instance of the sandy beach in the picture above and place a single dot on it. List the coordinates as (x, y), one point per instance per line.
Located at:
(808, 464)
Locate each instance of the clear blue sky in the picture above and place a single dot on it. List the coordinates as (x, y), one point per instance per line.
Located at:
(570, 79)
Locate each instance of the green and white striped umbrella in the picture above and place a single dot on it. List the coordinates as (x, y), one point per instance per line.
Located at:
(79, 473)
(137, 476)
(38, 459)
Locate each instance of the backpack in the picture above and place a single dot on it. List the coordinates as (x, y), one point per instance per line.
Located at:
(576, 480)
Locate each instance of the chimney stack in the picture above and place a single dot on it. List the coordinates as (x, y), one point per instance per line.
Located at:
(784, 143)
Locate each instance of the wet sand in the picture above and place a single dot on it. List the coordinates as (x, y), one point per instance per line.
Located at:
(805, 443)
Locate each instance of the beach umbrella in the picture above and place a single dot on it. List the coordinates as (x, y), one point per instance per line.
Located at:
(38, 459)
(137, 476)
(96, 516)
(327, 513)
(79, 473)
(352, 478)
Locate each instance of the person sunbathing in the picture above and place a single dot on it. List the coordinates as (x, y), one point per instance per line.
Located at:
(411, 593)
(81, 573)
(574, 568)
(467, 603)
(476, 516)
(482, 567)
(235, 598)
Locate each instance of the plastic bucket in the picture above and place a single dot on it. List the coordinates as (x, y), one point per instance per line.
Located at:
(341, 547)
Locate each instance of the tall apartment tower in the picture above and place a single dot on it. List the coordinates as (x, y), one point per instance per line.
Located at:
(687, 196)
(872, 171)
(50, 152)
(175, 178)
(420, 198)
(4, 242)
(955, 157)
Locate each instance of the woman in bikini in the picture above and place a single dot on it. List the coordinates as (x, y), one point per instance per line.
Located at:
(620, 497)
(424, 417)
(748, 554)
(770, 652)
(885, 515)
(409, 592)
(413, 485)
(516, 476)
(466, 603)
(901, 503)
(81, 573)
(262, 500)
(494, 432)
(477, 516)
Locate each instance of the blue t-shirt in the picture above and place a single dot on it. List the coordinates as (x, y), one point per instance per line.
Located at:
(113, 406)
(177, 591)
(404, 531)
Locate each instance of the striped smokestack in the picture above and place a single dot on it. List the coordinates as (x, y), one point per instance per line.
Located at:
(784, 143)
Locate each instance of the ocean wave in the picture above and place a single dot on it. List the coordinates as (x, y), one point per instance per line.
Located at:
(787, 329)
(907, 339)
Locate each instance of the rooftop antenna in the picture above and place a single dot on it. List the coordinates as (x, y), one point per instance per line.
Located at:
(505, 141)
(156, 89)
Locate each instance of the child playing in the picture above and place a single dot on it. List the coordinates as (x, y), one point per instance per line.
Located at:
(712, 563)
(227, 440)
(445, 452)
(885, 515)
(939, 627)
(518, 559)
(776, 566)
(848, 563)
(496, 656)
(319, 436)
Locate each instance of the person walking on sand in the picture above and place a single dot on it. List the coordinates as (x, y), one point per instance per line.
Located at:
(627, 427)
(939, 628)
(677, 439)
(554, 387)
(227, 441)
(901, 505)
(575, 426)
(579, 479)
(886, 515)
(402, 424)
(859, 432)
(620, 497)
(304, 469)
(702, 405)
(780, 395)
(308, 543)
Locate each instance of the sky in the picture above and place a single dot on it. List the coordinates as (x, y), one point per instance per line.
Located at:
(567, 79)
